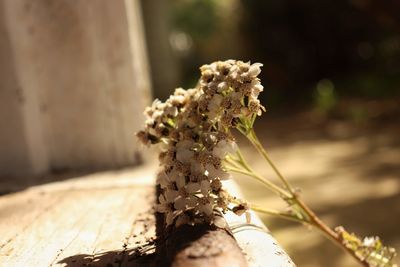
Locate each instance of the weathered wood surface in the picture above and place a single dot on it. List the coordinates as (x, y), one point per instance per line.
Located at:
(101, 220)
(95, 220)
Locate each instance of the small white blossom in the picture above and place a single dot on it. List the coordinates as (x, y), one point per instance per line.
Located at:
(222, 87)
(192, 188)
(171, 195)
(163, 206)
(369, 241)
(214, 106)
(224, 147)
(205, 187)
(255, 69)
(184, 154)
(180, 181)
(214, 173)
(205, 205)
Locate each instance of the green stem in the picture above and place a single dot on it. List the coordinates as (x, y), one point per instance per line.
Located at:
(315, 222)
(277, 213)
(332, 235)
(313, 219)
(243, 161)
(251, 135)
(273, 187)
(233, 162)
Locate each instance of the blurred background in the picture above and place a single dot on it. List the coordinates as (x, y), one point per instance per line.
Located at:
(332, 92)
(75, 77)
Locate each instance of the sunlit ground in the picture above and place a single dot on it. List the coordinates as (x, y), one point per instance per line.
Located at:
(349, 174)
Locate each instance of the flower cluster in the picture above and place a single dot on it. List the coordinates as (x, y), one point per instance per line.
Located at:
(193, 130)
(192, 127)
(230, 92)
(370, 249)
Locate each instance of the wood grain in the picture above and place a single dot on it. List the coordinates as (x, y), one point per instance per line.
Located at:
(96, 220)
(107, 219)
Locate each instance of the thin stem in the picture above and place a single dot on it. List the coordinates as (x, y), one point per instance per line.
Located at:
(242, 167)
(257, 144)
(320, 225)
(314, 220)
(233, 162)
(243, 161)
(278, 190)
(271, 211)
(277, 213)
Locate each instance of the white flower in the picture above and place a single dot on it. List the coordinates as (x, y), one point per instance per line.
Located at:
(192, 188)
(213, 173)
(369, 241)
(171, 111)
(214, 105)
(173, 175)
(224, 147)
(183, 203)
(205, 186)
(163, 180)
(196, 168)
(170, 195)
(205, 206)
(179, 96)
(257, 89)
(153, 132)
(149, 121)
(236, 95)
(222, 87)
(255, 69)
(191, 129)
(183, 151)
(180, 181)
(164, 206)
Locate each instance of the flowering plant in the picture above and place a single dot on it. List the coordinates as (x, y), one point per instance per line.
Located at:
(193, 129)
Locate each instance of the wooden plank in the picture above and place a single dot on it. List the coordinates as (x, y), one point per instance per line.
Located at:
(19, 211)
(105, 219)
(42, 234)
(82, 245)
(109, 235)
(75, 222)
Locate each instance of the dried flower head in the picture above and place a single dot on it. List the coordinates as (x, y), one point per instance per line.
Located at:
(193, 127)
(370, 249)
(193, 130)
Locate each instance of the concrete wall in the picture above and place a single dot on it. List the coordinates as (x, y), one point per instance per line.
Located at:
(74, 83)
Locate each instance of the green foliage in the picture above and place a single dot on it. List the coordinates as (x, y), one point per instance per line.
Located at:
(325, 96)
(358, 114)
(197, 18)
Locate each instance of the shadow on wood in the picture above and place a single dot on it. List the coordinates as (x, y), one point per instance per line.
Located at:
(110, 259)
(200, 245)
